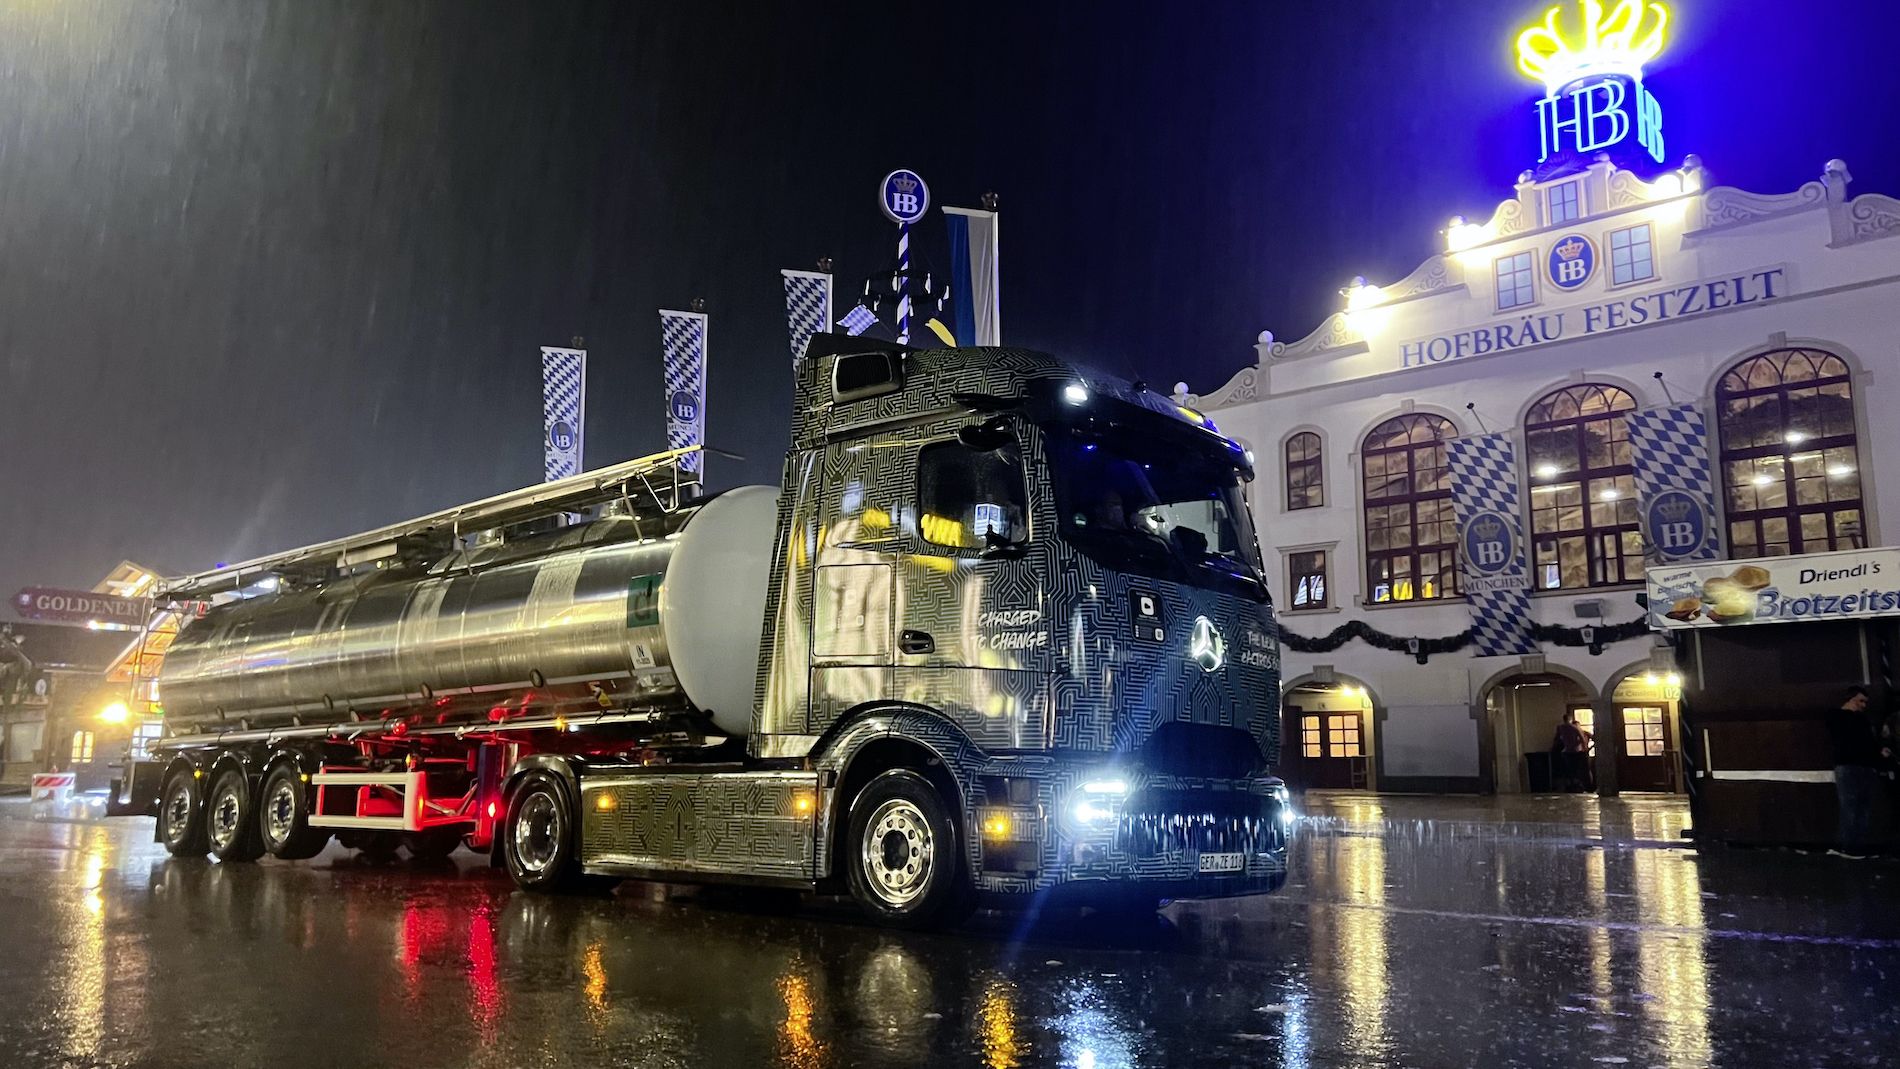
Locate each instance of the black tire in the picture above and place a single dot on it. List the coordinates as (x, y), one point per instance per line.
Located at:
(432, 845)
(540, 839)
(231, 818)
(181, 815)
(283, 815)
(377, 845)
(903, 855)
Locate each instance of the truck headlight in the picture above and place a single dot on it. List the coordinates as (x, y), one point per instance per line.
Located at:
(1280, 794)
(1098, 801)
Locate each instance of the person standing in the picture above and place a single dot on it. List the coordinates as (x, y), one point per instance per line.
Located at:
(1858, 761)
(1573, 753)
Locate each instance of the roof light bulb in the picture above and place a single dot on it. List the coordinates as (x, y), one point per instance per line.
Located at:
(1075, 393)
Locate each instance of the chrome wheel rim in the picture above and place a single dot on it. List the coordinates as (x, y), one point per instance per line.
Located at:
(537, 832)
(178, 812)
(898, 852)
(280, 812)
(225, 813)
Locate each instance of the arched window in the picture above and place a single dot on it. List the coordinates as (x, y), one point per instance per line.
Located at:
(1305, 478)
(1790, 465)
(1584, 530)
(1410, 533)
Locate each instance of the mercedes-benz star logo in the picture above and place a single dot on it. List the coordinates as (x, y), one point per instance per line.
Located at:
(1205, 647)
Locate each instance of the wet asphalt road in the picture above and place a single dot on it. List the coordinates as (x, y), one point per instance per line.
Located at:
(1407, 944)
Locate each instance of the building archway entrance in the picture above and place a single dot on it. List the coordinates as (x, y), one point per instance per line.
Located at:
(1327, 736)
(1523, 712)
(1649, 753)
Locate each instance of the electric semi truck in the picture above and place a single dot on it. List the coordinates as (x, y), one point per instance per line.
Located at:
(1002, 629)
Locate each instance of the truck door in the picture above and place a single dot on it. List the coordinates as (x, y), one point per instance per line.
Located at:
(973, 631)
(852, 637)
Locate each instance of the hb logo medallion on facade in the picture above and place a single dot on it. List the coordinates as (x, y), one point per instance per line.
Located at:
(1572, 259)
(1677, 524)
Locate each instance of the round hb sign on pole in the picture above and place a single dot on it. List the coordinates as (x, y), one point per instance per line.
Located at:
(684, 406)
(561, 435)
(904, 197)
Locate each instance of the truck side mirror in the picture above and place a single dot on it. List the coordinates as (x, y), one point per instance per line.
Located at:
(988, 436)
(999, 547)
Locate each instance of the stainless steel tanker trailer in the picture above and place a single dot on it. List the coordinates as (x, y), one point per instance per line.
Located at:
(1001, 630)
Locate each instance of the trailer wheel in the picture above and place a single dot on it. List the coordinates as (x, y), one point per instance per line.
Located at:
(283, 818)
(903, 856)
(540, 842)
(181, 815)
(231, 819)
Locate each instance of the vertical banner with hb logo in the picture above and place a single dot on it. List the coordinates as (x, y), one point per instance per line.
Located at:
(1669, 450)
(807, 306)
(1491, 543)
(683, 340)
(563, 403)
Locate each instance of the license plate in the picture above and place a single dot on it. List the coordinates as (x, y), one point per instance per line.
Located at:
(1223, 862)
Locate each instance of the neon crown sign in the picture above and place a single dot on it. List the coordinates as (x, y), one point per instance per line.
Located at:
(1593, 81)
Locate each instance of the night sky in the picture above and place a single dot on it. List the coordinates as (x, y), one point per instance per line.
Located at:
(274, 270)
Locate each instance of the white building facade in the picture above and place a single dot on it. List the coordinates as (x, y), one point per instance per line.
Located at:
(1586, 303)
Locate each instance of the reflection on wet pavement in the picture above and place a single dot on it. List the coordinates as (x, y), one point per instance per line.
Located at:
(1391, 946)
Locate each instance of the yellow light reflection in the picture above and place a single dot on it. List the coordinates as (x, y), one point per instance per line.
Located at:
(1353, 939)
(1596, 883)
(596, 987)
(80, 973)
(798, 1046)
(1003, 1048)
(1673, 965)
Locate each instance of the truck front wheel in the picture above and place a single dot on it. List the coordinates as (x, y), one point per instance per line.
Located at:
(540, 842)
(903, 856)
(181, 815)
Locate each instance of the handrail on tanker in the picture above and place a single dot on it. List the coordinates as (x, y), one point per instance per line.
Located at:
(599, 486)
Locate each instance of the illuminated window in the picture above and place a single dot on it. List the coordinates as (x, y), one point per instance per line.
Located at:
(1644, 734)
(1342, 735)
(1565, 204)
(1584, 528)
(1630, 258)
(967, 498)
(82, 747)
(1515, 288)
(1311, 743)
(1305, 481)
(1790, 462)
(1411, 534)
(1306, 578)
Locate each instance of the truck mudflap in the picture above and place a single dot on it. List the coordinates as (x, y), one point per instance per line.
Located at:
(1167, 836)
(135, 790)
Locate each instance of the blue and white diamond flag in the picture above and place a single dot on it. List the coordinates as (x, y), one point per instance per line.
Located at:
(563, 404)
(683, 341)
(1491, 558)
(1669, 451)
(807, 306)
(858, 320)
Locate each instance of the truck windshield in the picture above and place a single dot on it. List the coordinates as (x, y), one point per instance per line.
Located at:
(1156, 505)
